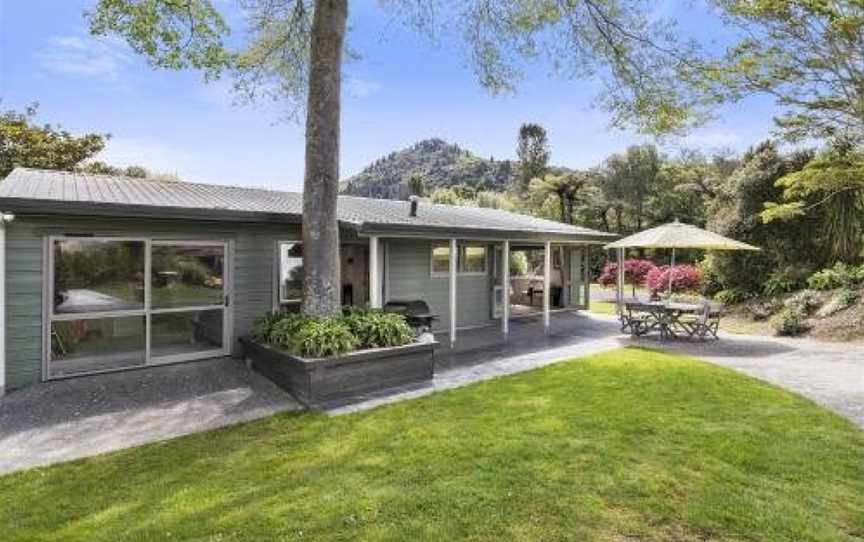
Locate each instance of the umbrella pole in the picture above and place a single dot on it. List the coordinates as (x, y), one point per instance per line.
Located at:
(671, 267)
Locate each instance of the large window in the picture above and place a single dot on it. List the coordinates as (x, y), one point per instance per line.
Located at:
(118, 303)
(98, 318)
(290, 272)
(471, 260)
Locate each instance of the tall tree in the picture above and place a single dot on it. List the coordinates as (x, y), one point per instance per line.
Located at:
(532, 148)
(567, 186)
(830, 186)
(628, 180)
(807, 54)
(25, 144)
(295, 52)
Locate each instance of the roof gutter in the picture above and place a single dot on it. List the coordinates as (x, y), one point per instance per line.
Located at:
(447, 232)
(76, 208)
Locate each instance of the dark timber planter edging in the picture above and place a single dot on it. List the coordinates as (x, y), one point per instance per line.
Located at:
(329, 382)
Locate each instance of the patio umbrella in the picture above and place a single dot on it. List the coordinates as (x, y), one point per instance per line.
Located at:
(677, 235)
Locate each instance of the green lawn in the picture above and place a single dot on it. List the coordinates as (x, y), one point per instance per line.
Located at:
(628, 445)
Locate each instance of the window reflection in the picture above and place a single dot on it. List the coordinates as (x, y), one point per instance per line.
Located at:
(98, 275)
(290, 272)
(187, 275)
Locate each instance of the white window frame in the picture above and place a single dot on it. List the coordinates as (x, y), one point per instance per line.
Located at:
(277, 291)
(459, 261)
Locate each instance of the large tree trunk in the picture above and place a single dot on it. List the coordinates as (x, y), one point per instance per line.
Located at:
(321, 284)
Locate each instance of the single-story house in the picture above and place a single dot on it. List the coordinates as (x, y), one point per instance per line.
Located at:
(101, 273)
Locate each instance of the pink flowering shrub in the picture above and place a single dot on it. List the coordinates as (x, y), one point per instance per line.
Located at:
(635, 272)
(685, 278)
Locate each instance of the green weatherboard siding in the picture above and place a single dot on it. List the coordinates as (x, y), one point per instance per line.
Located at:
(253, 281)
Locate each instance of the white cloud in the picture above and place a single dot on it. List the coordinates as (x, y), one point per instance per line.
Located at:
(362, 88)
(85, 57)
(153, 155)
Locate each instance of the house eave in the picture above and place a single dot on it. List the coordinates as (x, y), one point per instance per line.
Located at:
(476, 233)
(24, 206)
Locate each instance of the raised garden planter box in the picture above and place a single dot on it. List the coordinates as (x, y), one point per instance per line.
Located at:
(323, 382)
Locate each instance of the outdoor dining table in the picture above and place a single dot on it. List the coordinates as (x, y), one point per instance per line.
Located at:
(663, 316)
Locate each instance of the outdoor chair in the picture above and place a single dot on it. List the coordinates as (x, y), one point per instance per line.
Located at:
(705, 323)
(635, 322)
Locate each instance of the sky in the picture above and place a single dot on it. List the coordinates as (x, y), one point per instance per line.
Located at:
(401, 90)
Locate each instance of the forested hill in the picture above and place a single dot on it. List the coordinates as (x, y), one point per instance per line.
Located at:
(437, 163)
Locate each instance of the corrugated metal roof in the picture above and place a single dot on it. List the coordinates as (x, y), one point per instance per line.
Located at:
(366, 214)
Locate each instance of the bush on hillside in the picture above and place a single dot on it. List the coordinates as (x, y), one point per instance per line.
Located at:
(789, 322)
(805, 301)
(785, 279)
(762, 309)
(841, 300)
(733, 296)
(685, 278)
(840, 275)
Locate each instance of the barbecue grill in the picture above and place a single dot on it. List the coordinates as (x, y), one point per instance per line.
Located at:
(415, 311)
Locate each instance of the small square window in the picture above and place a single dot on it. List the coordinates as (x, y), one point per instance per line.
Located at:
(472, 259)
(440, 260)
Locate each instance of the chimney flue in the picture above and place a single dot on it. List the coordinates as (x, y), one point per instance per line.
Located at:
(415, 201)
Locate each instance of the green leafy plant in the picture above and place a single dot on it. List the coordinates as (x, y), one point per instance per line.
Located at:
(805, 302)
(376, 329)
(790, 322)
(784, 280)
(733, 296)
(263, 326)
(324, 338)
(840, 275)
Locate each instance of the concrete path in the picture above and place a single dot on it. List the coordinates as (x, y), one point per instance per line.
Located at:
(830, 374)
(69, 419)
(76, 418)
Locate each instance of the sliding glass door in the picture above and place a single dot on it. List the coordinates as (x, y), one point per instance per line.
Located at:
(187, 300)
(117, 303)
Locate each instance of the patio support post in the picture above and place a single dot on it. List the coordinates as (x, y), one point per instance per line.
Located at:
(4, 218)
(374, 274)
(547, 283)
(619, 283)
(454, 256)
(505, 283)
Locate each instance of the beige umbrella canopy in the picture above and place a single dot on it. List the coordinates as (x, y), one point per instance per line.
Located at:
(677, 235)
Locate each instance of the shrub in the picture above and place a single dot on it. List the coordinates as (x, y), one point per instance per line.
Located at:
(376, 329)
(838, 276)
(283, 332)
(635, 272)
(784, 280)
(762, 309)
(264, 326)
(732, 296)
(789, 322)
(805, 301)
(841, 300)
(323, 338)
(685, 278)
(308, 336)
